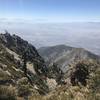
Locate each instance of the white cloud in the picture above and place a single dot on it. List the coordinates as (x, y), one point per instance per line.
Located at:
(85, 35)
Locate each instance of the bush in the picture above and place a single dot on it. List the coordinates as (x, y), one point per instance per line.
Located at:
(24, 88)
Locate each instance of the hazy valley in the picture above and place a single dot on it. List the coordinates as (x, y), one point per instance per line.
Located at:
(49, 34)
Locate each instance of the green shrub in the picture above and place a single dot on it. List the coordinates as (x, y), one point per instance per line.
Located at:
(24, 88)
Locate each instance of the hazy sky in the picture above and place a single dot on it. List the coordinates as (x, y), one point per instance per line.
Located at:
(50, 10)
(52, 22)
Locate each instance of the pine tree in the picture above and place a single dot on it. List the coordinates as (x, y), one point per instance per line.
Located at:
(25, 58)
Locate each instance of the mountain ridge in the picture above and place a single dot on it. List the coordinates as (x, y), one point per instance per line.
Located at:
(21, 67)
(64, 55)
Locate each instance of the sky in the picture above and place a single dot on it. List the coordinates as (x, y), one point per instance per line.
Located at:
(52, 22)
(50, 10)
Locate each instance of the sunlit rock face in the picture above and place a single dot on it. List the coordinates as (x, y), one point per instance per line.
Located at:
(51, 83)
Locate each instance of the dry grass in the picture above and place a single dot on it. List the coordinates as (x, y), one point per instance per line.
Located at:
(7, 93)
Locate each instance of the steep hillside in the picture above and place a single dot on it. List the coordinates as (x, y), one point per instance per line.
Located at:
(63, 55)
(21, 68)
(87, 71)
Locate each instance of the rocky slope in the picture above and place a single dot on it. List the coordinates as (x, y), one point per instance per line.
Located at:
(21, 68)
(25, 76)
(78, 91)
(63, 55)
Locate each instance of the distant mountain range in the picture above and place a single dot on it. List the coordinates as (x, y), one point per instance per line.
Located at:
(63, 55)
